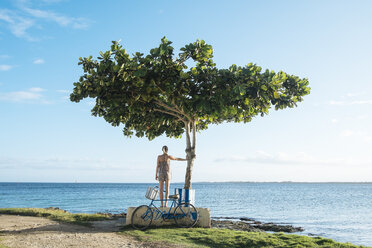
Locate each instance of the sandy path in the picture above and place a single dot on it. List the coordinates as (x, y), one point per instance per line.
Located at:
(36, 232)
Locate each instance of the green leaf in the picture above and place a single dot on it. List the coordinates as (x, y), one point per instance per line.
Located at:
(162, 51)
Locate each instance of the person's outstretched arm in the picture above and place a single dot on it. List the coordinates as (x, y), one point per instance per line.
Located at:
(178, 159)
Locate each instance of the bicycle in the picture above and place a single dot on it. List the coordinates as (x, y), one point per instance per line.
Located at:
(185, 214)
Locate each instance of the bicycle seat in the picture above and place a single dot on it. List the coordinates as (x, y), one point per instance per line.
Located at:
(174, 196)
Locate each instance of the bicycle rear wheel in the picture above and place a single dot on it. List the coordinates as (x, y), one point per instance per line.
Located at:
(186, 215)
(142, 217)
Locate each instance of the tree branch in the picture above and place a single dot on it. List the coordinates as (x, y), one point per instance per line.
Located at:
(174, 105)
(188, 142)
(160, 103)
(174, 109)
(181, 111)
(170, 113)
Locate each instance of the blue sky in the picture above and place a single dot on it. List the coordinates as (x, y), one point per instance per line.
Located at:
(46, 138)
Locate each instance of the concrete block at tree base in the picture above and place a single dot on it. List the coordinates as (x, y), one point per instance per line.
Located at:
(203, 221)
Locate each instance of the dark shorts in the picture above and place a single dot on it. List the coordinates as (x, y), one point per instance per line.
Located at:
(164, 176)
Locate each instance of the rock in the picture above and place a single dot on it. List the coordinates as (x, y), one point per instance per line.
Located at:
(225, 218)
(246, 219)
(247, 224)
(113, 216)
(234, 225)
(279, 228)
(55, 208)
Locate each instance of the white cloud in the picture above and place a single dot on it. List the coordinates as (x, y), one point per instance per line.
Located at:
(65, 91)
(36, 89)
(28, 96)
(65, 97)
(60, 164)
(354, 94)
(349, 99)
(300, 158)
(77, 23)
(38, 61)
(267, 158)
(4, 56)
(4, 15)
(19, 28)
(21, 20)
(5, 67)
(362, 117)
(334, 121)
(361, 102)
(52, 1)
(336, 102)
(347, 133)
(350, 103)
(357, 134)
(17, 24)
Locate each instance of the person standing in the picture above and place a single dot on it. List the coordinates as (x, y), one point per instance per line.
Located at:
(163, 173)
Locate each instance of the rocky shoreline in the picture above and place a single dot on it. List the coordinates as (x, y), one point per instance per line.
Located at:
(232, 223)
(251, 225)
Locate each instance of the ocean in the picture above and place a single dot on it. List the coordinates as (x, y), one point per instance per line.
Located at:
(341, 211)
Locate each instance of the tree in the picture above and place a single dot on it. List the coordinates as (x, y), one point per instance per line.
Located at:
(158, 94)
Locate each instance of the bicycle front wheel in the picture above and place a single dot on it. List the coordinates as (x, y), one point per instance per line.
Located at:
(186, 215)
(141, 217)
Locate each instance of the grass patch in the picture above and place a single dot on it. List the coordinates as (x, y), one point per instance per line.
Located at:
(221, 238)
(56, 214)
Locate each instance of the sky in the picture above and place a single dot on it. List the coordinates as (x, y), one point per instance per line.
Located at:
(328, 138)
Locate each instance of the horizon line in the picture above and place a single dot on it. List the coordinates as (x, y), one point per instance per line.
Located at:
(365, 182)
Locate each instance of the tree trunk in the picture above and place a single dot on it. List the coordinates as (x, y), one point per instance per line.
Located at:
(190, 151)
(190, 164)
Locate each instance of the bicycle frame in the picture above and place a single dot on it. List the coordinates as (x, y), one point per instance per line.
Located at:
(160, 213)
(184, 214)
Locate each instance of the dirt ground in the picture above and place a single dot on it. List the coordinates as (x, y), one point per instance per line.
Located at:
(36, 232)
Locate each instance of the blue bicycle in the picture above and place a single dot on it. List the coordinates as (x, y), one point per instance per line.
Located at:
(185, 214)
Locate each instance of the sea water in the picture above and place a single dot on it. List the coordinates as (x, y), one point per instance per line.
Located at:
(341, 211)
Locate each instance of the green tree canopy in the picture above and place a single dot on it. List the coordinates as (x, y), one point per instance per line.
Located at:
(158, 93)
